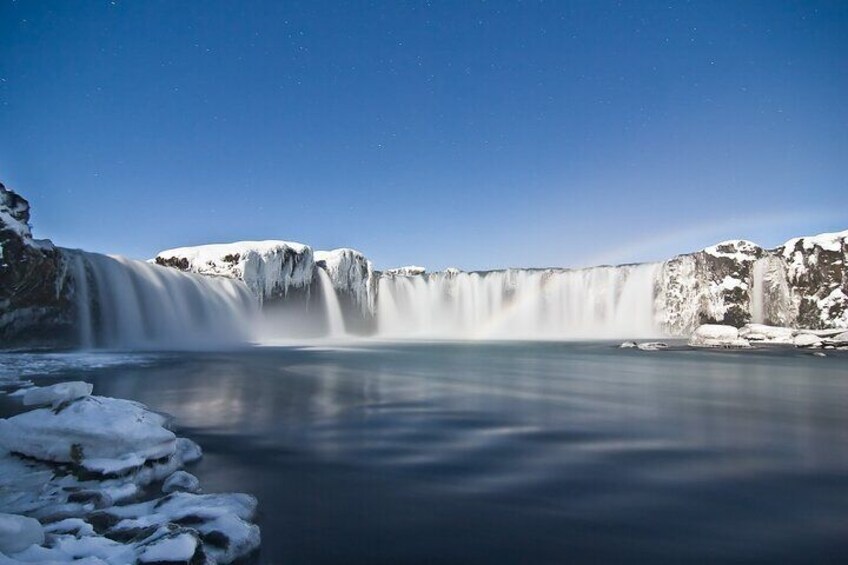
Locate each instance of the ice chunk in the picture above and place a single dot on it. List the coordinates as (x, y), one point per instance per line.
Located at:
(57, 394)
(18, 533)
(181, 481)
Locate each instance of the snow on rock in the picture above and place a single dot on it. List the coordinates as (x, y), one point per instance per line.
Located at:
(18, 533)
(817, 274)
(107, 432)
(188, 451)
(807, 340)
(224, 518)
(715, 335)
(735, 249)
(765, 333)
(652, 346)
(407, 271)
(181, 547)
(56, 394)
(269, 268)
(181, 481)
(352, 274)
(130, 448)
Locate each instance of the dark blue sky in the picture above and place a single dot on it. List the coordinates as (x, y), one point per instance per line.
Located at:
(475, 134)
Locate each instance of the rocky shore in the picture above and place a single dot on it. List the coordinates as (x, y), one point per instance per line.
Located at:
(97, 480)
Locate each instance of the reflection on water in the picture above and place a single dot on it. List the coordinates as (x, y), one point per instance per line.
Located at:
(537, 453)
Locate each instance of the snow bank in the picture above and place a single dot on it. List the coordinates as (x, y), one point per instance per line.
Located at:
(269, 268)
(716, 335)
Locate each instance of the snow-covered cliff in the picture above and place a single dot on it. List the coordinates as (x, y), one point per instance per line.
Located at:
(270, 268)
(57, 297)
(803, 283)
(352, 275)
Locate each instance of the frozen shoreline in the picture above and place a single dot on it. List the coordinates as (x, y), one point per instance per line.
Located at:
(103, 480)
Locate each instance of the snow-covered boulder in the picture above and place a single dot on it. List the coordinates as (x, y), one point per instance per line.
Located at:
(805, 339)
(767, 334)
(652, 346)
(269, 268)
(57, 394)
(181, 481)
(837, 340)
(715, 335)
(105, 435)
(352, 276)
(18, 533)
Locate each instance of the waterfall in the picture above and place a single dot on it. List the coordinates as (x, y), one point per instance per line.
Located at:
(602, 302)
(121, 303)
(758, 303)
(335, 319)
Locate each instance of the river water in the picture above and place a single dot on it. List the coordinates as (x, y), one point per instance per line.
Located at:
(453, 452)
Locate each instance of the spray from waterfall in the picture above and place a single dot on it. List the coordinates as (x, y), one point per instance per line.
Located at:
(335, 318)
(602, 302)
(126, 304)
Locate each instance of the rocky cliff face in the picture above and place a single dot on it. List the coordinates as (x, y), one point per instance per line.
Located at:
(35, 309)
(803, 283)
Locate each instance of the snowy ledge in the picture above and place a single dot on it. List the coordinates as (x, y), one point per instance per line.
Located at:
(718, 336)
(78, 480)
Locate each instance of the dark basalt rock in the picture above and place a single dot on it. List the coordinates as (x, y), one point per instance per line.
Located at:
(35, 309)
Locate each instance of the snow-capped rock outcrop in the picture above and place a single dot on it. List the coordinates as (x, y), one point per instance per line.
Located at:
(270, 268)
(817, 274)
(803, 284)
(352, 276)
(407, 271)
(709, 286)
(35, 306)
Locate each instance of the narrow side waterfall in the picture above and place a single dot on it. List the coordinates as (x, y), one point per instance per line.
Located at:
(126, 304)
(758, 294)
(335, 318)
(602, 302)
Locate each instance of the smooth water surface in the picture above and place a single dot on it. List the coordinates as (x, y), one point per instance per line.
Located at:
(515, 452)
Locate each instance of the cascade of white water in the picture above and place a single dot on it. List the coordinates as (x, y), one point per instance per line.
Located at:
(758, 310)
(123, 303)
(335, 318)
(520, 304)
